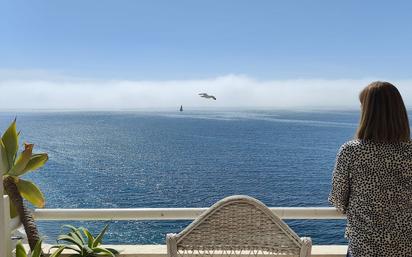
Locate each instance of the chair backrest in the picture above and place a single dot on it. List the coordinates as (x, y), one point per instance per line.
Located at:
(238, 226)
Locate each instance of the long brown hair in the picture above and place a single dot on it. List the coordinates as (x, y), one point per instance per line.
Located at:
(383, 117)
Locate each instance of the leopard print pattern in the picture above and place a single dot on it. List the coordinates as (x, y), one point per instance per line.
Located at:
(372, 185)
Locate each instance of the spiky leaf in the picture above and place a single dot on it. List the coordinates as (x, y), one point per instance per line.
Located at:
(76, 233)
(103, 252)
(31, 192)
(20, 251)
(4, 162)
(70, 240)
(114, 251)
(76, 237)
(72, 228)
(58, 252)
(37, 249)
(18, 168)
(87, 250)
(70, 247)
(99, 238)
(90, 238)
(11, 142)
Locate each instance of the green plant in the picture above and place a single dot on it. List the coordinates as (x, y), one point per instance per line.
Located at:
(12, 167)
(84, 243)
(21, 252)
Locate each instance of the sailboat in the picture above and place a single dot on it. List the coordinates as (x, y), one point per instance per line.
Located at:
(181, 108)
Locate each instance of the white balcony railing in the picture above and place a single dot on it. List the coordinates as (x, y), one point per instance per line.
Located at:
(153, 214)
(317, 213)
(8, 225)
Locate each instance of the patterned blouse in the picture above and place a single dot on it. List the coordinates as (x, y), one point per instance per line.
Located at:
(372, 185)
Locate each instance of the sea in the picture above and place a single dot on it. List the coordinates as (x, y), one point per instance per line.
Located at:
(141, 159)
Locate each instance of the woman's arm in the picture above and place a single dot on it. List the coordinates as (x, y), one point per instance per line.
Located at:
(339, 195)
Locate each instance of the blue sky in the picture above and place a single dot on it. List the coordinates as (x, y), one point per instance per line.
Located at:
(193, 39)
(201, 40)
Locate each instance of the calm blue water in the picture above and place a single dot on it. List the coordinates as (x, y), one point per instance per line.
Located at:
(189, 159)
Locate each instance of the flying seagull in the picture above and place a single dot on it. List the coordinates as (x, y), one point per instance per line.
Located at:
(204, 95)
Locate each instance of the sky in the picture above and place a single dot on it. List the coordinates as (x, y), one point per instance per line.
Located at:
(101, 54)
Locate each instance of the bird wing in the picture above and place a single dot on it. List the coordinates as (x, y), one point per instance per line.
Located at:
(214, 98)
(202, 94)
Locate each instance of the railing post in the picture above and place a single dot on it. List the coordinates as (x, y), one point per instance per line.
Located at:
(5, 232)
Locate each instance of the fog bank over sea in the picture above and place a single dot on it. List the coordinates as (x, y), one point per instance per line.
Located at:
(43, 90)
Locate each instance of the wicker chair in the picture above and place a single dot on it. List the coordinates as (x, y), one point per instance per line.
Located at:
(238, 226)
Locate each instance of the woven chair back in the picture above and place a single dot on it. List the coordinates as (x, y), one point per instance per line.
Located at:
(237, 226)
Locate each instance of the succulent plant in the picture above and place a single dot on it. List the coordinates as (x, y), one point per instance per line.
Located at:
(84, 243)
(12, 168)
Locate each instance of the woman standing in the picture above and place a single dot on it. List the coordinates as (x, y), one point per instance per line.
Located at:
(372, 179)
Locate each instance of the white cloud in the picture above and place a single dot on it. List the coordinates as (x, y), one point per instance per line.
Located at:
(32, 91)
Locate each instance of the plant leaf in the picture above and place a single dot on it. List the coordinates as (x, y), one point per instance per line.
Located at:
(77, 233)
(90, 238)
(76, 237)
(58, 251)
(36, 161)
(114, 251)
(31, 192)
(70, 240)
(21, 161)
(87, 250)
(37, 249)
(72, 228)
(104, 251)
(11, 142)
(99, 238)
(4, 162)
(20, 251)
(70, 247)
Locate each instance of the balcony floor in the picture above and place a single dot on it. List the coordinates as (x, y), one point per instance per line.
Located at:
(160, 250)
